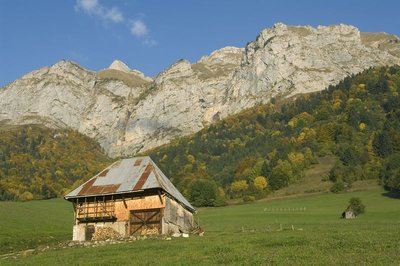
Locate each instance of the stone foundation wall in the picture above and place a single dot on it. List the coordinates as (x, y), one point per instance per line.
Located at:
(83, 232)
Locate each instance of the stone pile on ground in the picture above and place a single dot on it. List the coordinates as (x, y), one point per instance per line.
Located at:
(153, 231)
(104, 233)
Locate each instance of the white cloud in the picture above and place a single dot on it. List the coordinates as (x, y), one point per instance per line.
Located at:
(139, 29)
(114, 14)
(94, 8)
(88, 5)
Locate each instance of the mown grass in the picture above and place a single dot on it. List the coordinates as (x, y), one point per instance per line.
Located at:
(25, 225)
(324, 238)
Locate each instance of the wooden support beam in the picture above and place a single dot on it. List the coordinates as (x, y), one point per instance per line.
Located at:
(126, 205)
(95, 206)
(75, 205)
(86, 207)
(160, 196)
(113, 204)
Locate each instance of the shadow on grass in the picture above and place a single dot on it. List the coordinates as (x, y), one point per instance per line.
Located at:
(392, 194)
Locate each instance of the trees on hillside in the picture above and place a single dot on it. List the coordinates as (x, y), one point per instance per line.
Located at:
(260, 183)
(42, 163)
(203, 192)
(356, 120)
(383, 144)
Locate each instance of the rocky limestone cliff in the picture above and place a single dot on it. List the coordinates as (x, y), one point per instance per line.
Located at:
(287, 60)
(119, 65)
(127, 112)
(182, 100)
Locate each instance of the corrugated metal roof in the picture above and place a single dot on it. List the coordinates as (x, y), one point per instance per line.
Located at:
(128, 175)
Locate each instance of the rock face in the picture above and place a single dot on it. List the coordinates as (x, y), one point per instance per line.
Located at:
(119, 65)
(287, 60)
(127, 112)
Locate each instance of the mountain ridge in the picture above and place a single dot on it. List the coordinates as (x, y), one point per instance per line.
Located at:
(127, 112)
(243, 156)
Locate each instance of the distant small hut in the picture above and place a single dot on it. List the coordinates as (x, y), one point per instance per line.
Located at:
(133, 197)
(348, 214)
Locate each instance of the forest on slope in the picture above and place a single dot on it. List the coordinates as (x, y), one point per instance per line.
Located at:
(270, 146)
(244, 156)
(41, 163)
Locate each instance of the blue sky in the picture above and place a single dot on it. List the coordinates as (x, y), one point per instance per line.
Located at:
(151, 35)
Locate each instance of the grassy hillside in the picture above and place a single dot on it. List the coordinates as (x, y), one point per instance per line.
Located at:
(38, 162)
(235, 235)
(268, 147)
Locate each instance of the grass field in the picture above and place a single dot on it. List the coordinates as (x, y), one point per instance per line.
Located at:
(319, 236)
(25, 225)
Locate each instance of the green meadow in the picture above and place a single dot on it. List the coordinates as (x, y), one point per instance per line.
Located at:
(304, 230)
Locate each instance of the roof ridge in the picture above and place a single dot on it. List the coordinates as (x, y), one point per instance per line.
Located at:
(156, 174)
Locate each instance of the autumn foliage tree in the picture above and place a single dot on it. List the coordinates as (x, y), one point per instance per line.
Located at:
(42, 163)
(239, 187)
(260, 183)
(356, 120)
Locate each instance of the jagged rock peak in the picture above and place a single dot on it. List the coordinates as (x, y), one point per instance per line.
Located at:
(280, 37)
(181, 68)
(62, 68)
(339, 28)
(289, 60)
(283, 29)
(280, 29)
(228, 54)
(64, 65)
(179, 64)
(119, 65)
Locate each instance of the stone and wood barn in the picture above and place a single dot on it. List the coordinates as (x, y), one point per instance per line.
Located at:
(133, 197)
